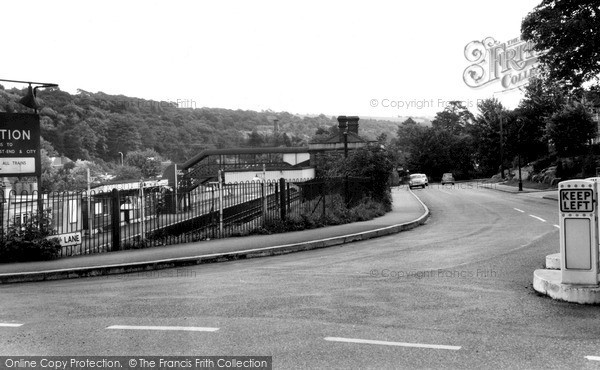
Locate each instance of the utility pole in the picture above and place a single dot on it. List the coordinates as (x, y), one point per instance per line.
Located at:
(501, 145)
(519, 152)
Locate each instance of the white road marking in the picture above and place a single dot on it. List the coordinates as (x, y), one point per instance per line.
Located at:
(520, 210)
(538, 218)
(593, 358)
(445, 192)
(556, 226)
(9, 325)
(173, 328)
(398, 344)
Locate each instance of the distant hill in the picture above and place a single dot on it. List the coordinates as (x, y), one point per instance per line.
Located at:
(97, 126)
(426, 121)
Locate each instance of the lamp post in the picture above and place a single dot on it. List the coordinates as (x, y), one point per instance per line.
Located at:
(519, 120)
(501, 146)
(346, 143)
(30, 101)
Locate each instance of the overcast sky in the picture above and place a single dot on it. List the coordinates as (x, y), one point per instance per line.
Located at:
(305, 57)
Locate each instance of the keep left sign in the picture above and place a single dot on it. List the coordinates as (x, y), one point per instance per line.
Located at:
(576, 200)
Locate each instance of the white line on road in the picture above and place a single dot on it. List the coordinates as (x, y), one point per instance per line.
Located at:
(538, 218)
(175, 328)
(520, 210)
(556, 226)
(385, 343)
(10, 325)
(593, 358)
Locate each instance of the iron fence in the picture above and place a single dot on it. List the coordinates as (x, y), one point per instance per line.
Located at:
(101, 221)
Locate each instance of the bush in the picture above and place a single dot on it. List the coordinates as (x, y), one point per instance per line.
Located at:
(336, 214)
(543, 163)
(30, 241)
(589, 166)
(368, 210)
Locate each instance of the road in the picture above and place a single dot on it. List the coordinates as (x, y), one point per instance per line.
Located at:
(454, 293)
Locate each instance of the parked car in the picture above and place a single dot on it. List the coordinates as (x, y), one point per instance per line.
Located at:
(418, 179)
(447, 178)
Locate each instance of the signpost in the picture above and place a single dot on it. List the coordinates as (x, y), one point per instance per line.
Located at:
(20, 144)
(578, 231)
(69, 239)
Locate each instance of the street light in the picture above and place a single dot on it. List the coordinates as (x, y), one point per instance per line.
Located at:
(29, 100)
(519, 120)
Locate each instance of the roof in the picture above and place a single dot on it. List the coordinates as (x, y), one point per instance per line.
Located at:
(59, 161)
(339, 138)
(234, 151)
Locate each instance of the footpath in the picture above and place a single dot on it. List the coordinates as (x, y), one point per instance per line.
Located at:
(408, 212)
(545, 194)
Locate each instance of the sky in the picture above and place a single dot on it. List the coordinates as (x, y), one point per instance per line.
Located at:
(365, 58)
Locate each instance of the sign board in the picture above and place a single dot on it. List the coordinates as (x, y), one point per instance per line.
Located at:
(20, 144)
(576, 200)
(68, 239)
(578, 232)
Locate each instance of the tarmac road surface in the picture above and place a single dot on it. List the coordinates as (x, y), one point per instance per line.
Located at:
(454, 293)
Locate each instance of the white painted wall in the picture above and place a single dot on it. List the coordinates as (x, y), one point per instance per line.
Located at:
(295, 158)
(243, 176)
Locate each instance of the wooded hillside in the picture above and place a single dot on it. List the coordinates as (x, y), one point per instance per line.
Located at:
(97, 126)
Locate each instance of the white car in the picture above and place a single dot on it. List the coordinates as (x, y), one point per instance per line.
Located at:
(418, 179)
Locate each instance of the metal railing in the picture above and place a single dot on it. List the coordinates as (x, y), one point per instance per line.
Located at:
(99, 222)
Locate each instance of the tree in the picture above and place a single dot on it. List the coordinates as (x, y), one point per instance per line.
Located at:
(405, 134)
(382, 139)
(123, 135)
(70, 177)
(323, 133)
(486, 134)
(435, 151)
(375, 163)
(567, 34)
(128, 173)
(147, 161)
(255, 139)
(571, 129)
(444, 147)
(48, 175)
(455, 118)
(409, 121)
(286, 140)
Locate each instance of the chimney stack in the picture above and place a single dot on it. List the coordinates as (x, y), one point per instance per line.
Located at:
(353, 124)
(342, 123)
